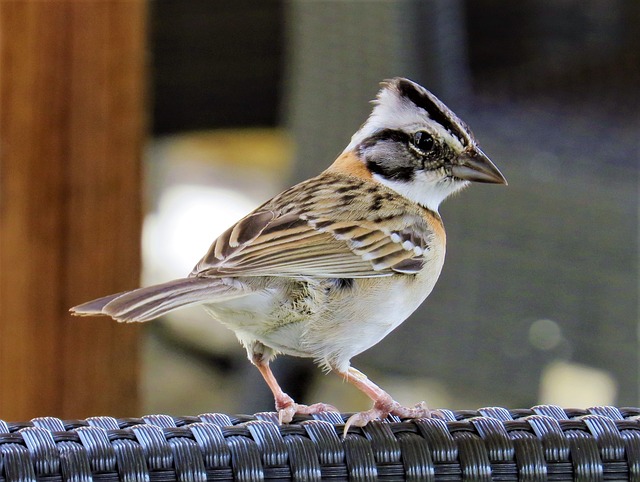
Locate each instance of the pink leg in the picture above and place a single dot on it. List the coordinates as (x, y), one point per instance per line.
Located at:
(383, 404)
(285, 405)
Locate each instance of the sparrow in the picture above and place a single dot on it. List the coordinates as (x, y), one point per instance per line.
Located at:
(332, 265)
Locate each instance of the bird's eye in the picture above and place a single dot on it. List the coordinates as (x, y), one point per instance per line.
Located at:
(423, 141)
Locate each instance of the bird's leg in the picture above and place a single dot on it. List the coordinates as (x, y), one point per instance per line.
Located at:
(285, 405)
(383, 404)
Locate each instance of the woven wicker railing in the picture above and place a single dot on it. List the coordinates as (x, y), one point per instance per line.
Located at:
(542, 443)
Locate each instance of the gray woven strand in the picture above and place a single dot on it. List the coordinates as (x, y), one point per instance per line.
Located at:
(489, 444)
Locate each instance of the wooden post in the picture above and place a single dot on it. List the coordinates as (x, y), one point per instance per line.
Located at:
(71, 129)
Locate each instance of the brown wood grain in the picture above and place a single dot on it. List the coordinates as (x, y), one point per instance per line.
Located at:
(72, 124)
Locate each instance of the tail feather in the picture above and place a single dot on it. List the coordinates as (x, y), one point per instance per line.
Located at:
(145, 304)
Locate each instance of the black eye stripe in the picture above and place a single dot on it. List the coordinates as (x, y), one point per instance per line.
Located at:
(429, 144)
(386, 135)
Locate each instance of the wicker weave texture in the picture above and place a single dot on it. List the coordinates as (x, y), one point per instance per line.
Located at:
(538, 444)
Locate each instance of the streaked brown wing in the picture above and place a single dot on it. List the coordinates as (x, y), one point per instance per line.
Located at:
(298, 244)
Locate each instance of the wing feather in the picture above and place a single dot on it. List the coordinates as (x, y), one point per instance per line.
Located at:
(320, 237)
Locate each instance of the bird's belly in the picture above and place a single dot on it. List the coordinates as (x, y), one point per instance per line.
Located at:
(306, 320)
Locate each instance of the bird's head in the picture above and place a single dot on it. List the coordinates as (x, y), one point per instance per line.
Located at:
(415, 145)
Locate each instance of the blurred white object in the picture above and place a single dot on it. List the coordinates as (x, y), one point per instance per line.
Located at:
(188, 219)
(574, 385)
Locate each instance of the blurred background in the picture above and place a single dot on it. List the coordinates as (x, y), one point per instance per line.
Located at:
(538, 301)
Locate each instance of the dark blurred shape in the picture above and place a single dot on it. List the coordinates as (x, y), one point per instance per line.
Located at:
(215, 63)
(577, 51)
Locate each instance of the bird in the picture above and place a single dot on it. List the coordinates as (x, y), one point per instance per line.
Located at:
(329, 267)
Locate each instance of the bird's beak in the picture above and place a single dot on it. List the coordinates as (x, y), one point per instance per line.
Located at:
(474, 165)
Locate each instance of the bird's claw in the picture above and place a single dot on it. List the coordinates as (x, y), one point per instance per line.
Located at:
(420, 410)
(286, 413)
(383, 408)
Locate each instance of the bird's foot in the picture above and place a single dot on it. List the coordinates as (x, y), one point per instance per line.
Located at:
(382, 408)
(287, 408)
(419, 410)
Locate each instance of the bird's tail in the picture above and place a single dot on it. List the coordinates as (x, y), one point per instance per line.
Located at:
(145, 304)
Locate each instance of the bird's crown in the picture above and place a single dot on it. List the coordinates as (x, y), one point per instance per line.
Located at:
(401, 104)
